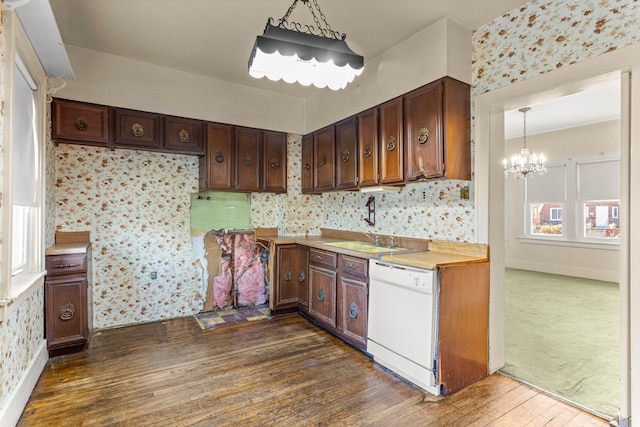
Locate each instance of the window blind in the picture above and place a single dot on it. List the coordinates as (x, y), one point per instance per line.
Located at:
(549, 187)
(23, 149)
(599, 180)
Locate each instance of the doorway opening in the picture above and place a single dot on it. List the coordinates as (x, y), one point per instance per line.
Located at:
(562, 238)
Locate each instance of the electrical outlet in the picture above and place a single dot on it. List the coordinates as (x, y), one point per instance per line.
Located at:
(154, 275)
(424, 195)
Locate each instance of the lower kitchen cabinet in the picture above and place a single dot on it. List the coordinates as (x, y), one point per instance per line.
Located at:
(291, 287)
(68, 315)
(353, 290)
(322, 286)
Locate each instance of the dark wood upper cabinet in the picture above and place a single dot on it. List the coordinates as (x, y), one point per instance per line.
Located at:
(275, 162)
(437, 131)
(183, 136)
(217, 167)
(138, 129)
(248, 159)
(80, 123)
(324, 156)
(347, 154)
(307, 164)
(368, 147)
(391, 142)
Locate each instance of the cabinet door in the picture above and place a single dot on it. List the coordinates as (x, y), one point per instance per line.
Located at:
(275, 162)
(347, 158)
(391, 142)
(138, 129)
(307, 164)
(423, 132)
(322, 294)
(66, 311)
(324, 149)
(80, 123)
(291, 276)
(352, 310)
(248, 150)
(368, 147)
(184, 136)
(216, 167)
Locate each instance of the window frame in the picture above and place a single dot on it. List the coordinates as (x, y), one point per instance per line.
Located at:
(572, 209)
(15, 289)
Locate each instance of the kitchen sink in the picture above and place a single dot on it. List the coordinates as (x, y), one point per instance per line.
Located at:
(363, 247)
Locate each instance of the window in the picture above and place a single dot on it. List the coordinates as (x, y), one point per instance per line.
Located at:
(577, 201)
(545, 196)
(23, 169)
(22, 159)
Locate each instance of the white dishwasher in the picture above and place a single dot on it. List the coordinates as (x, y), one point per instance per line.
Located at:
(402, 323)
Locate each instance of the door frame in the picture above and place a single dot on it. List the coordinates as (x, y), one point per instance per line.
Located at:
(490, 198)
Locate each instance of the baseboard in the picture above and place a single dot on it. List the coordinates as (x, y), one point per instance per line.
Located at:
(13, 407)
(565, 270)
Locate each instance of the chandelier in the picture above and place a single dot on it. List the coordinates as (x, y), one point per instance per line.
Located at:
(524, 163)
(305, 54)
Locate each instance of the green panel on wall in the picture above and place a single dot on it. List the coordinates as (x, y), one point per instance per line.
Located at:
(211, 210)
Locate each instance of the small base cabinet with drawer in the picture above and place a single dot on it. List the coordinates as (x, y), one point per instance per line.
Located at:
(353, 291)
(322, 286)
(68, 315)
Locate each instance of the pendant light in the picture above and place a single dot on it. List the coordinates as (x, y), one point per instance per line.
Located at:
(525, 163)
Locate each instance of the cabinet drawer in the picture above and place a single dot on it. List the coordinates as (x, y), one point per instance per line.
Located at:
(183, 135)
(354, 266)
(325, 258)
(78, 122)
(66, 264)
(138, 129)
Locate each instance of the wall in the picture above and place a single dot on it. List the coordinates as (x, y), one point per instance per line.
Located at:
(442, 49)
(113, 80)
(136, 206)
(598, 264)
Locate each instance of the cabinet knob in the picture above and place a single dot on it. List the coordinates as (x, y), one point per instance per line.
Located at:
(275, 164)
(353, 310)
(323, 161)
(423, 135)
(367, 151)
(81, 124)
(248, 161)
(67, 311)
(138, 130)
(391, 143)
(288, 276)
(184, 136)
(346, 156)
(219, 157)
(307, 166)
(321, 295)
(301, 277)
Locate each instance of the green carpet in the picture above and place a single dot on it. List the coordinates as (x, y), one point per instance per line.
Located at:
(562, 335)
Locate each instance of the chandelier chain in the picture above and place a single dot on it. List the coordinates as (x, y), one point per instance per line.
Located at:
(319, 29)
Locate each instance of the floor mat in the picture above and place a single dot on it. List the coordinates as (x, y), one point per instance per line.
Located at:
(217, 319)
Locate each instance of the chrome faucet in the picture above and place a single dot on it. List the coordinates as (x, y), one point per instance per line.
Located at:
(375, 238)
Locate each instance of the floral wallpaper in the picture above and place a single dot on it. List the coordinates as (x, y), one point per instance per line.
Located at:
(136, 206)
(541, 36)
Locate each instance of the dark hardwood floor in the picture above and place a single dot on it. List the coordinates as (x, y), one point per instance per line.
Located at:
(280, 372)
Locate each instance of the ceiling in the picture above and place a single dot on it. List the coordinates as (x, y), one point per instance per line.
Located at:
(214, 38)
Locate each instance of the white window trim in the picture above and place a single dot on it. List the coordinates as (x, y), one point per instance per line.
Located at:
(14, 292)
(571, 208)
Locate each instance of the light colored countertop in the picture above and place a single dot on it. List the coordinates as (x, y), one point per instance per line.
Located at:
(68, 248)
(439, 252)
(430, 260)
